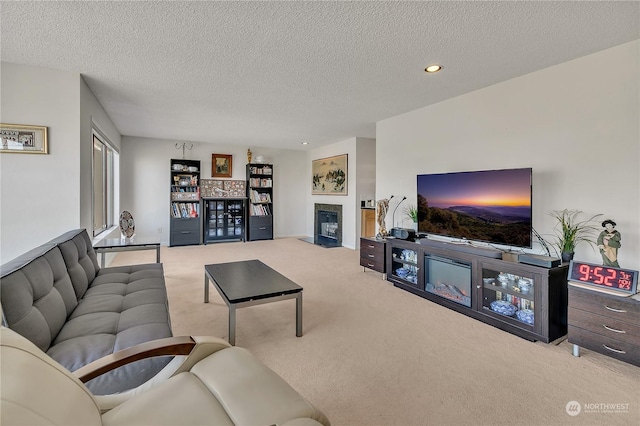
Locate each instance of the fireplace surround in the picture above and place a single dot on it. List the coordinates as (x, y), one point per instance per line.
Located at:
(327, 225)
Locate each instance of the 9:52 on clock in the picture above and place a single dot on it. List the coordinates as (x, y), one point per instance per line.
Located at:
(613, 278)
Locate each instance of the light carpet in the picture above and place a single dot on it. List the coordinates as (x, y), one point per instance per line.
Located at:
(372, 354)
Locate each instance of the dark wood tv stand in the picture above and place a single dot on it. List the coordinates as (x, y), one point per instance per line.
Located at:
(488, 289)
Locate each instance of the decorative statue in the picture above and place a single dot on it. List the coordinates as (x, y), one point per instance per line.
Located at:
(249, 155)
(381, 211)
(609, 242)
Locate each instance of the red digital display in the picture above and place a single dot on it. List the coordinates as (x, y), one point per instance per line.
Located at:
(624, 280)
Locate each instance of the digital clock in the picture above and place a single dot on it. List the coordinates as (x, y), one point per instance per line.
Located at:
(623, 280)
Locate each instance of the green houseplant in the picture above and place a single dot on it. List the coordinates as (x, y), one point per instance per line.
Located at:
(411, 211)
(570, 231)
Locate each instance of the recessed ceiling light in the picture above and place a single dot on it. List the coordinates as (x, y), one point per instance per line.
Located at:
(433, 68)
(304, 143)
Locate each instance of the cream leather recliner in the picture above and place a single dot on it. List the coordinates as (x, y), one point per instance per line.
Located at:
(208, 382)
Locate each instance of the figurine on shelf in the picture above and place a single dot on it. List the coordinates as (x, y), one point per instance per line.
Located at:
(249, 155)
(609, 242)
(382, 209)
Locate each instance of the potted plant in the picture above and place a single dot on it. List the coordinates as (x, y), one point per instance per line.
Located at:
(411, 211)
(570, 231)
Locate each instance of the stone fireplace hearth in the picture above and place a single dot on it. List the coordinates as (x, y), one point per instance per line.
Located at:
(327, 225)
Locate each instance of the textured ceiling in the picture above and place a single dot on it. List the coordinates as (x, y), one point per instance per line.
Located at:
(278, 73)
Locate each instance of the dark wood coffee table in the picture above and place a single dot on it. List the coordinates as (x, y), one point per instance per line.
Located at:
(250, 283)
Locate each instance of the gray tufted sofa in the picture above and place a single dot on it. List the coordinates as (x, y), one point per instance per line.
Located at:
(58, 297)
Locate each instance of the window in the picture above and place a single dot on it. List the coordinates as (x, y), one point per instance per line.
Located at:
(105, 167)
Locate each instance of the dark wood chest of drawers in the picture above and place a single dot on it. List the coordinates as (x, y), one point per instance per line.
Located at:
(604, 323)
(372, 254)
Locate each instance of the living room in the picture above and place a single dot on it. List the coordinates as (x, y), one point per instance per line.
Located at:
(576, 124)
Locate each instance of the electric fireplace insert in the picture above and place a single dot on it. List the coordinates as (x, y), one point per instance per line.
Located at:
(448, 278)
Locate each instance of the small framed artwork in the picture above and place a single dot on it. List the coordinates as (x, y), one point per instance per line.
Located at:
(221, 165)
(23, 139)
(329, 176)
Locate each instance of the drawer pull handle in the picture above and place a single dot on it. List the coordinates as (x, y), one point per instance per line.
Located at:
(185, 232)
(370, 265)
(371, 255)
(262, 228)
(614, 330)
(371, 246)
(618, 351)
(615, 310)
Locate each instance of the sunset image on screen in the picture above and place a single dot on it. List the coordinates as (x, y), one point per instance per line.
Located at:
(493, 205)
(491, 188)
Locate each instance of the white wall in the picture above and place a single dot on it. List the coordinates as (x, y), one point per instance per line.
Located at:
(576, 124)
(39, 194)
(145, 180)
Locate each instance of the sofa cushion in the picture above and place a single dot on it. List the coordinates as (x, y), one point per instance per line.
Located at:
(124, 306)
(249, 391)
(228, 387)
(37, 295)
(37, 391)
(80, 258)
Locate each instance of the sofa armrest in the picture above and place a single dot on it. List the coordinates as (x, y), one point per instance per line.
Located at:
(187, 351)
(181, 345)
(195, 347)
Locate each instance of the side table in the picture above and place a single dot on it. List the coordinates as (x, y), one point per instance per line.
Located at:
(126, 244)
(604, 323)
(373, 255)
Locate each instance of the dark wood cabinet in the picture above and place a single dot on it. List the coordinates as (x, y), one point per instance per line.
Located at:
(224, 219)
(184, 207)
(525, 300)
(372, 254)
(260, 201)
(605, 323)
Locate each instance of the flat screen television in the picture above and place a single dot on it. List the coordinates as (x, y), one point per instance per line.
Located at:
(492, 206)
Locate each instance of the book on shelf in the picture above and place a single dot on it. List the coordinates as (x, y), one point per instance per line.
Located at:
(264, 170)
(185, 210)
(259, 197)
(260, 210)
(260, 182)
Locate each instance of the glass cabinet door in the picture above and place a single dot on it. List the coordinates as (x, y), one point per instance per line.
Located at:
(235, 225)
(509, 295)
(404, 265)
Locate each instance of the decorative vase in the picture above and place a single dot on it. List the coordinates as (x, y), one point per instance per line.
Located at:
(566, 256)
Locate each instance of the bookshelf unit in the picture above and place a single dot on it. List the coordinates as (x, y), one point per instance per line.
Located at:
(184, 207)
(260, 201)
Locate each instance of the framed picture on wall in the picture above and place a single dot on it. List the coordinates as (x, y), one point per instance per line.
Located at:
(329, 175)
(23, 139)
(221, 165)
